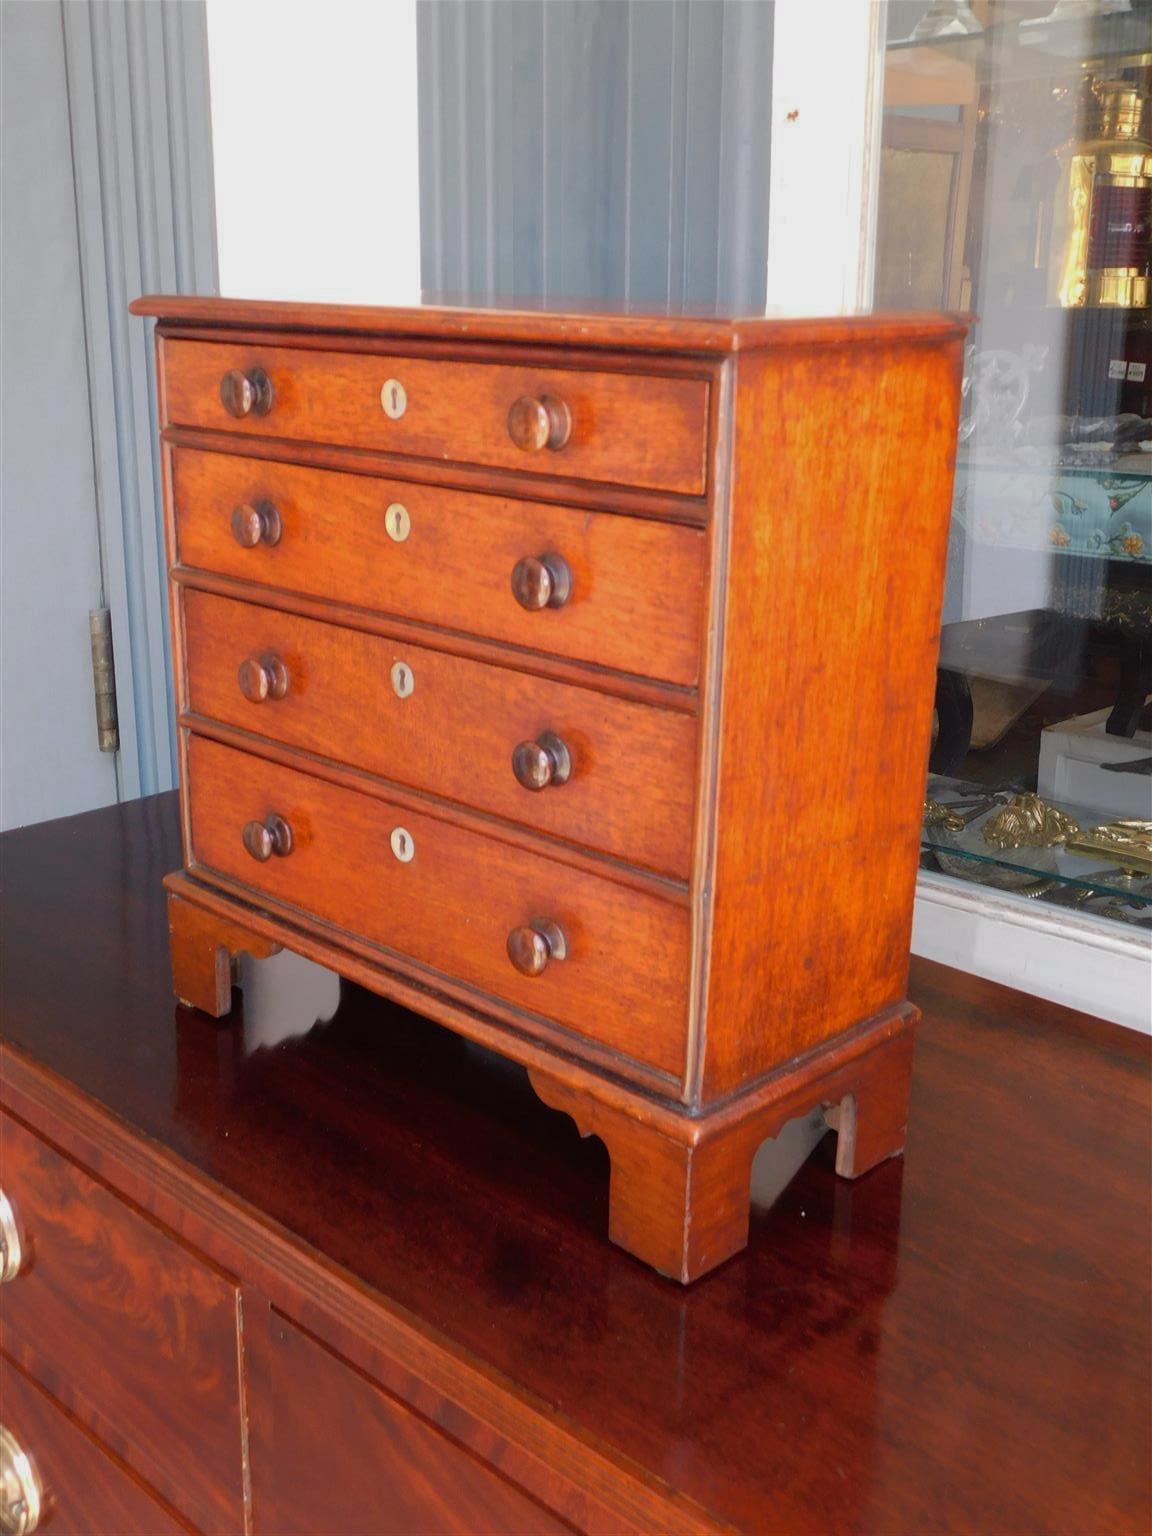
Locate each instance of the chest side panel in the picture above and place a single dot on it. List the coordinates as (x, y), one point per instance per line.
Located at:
(838, 526)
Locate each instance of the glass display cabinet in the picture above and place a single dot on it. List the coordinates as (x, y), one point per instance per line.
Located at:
(1016, 184)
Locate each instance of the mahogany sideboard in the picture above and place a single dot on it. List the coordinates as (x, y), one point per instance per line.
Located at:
(520, 680)
(356, 1283)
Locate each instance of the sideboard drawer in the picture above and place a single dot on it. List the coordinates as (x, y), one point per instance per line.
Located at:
(644, 430)
(82, 1490)
(331, 1452)
(127, 1328)
(448, 558)
(450, 899)
(623, 773)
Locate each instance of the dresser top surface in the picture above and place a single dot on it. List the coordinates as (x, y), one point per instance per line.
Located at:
(618, 328)
(957, 1342)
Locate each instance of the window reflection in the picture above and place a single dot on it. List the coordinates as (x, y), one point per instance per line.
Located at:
(1016, 182)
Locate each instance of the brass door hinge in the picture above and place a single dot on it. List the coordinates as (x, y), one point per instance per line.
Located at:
(104, 680)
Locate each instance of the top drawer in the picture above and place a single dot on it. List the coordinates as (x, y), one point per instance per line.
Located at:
(649, 431)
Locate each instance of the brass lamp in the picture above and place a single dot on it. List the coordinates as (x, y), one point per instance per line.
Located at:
(1102, 216)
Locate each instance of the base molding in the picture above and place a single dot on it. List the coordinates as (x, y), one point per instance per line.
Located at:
(1074, 958)
(680, 1188)
(679, 1196)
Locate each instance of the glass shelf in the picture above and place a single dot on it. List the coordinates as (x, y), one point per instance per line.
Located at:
(1027, 48)
(1032, 872)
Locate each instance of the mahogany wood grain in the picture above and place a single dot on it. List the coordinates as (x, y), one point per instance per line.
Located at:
(958, 1342)
(86, 1490)
(645, 433)
(637, 585)
(631, 788)
(452, 905)
(332, 1452)
(826, 696)
(126, 1328)
(705, 333)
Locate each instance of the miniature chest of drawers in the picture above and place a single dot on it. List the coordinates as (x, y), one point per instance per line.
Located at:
(569, 680)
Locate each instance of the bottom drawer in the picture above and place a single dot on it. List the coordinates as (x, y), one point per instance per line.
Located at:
(331, 1452)
(450, 898)
(81, 1489)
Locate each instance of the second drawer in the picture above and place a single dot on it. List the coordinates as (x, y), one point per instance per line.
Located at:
(456, 559)
(452, 726)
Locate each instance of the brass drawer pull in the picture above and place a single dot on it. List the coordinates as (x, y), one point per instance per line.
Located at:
(531, 946)
(11, 1248)
(541, 581)
(262, 677)
(246, 394)
(256, 524)
(271, 836)
(539, 423)
(542, 762)
(21, 1496)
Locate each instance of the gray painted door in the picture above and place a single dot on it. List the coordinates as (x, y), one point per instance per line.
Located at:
(575, 150)
(49, 549)
(107, 193)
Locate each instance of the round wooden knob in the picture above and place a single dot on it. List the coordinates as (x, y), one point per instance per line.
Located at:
(262, 677)
(257, 523)
(246, 394)
(531, 946)
(271, 836)
(539, 423)
(541, 581)
(544, 761)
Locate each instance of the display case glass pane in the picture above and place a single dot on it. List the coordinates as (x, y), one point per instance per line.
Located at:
(1016, 184)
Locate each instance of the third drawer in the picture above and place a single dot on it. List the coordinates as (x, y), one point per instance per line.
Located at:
(452, 726)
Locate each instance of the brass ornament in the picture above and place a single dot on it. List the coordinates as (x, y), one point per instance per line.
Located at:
(1028, 822)
(1129, 842)
(21, 1494)
(937, 815)
(955, 815)
(11, 1248)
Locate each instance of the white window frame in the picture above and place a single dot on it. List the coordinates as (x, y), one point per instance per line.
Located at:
(827, 106)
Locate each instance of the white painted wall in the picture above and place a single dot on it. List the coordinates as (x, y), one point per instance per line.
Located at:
(826, 104)
(315, 139)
